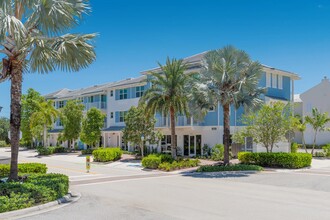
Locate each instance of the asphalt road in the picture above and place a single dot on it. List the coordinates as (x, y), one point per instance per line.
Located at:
(124, 191)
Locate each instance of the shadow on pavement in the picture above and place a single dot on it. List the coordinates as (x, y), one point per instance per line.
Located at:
(218, 175)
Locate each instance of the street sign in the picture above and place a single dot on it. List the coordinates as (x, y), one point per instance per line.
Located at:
(88, 163)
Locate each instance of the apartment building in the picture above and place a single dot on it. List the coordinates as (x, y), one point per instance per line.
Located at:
(115, 98)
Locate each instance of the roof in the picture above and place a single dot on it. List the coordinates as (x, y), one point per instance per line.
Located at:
(114, 128)
(66, 93)
(197, 60)
(297, 98)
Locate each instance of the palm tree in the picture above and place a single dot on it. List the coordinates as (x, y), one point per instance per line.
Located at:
(169, 93)
(231, 78)
(32, 40)
(44, 116)
(318, 121)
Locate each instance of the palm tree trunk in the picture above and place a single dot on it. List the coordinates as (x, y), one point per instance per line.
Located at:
(173, 141)
(15, 116)
(303, 141)
(45, 135)
(314, 143)
(226, 132)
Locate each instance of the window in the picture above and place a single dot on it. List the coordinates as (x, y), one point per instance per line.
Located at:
(268, 80)
(139, 91)
(274, 80)
(122, 116)
(280, 82)
(103, 98)
(111, 115)
(81, 99)
(91, 99)
(61, 104)
(111, 93)
(123, 94)
(59, 122)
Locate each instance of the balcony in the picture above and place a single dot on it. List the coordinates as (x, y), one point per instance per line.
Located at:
(98, 105)
(180, 121)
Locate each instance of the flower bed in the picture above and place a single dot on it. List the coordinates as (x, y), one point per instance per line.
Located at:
(167, 163)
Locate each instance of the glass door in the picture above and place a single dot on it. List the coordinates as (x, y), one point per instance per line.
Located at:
(198, 145)
(186, 145)
(192, 149)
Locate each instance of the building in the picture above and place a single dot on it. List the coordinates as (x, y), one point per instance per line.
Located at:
(116, 98)
(316, 97)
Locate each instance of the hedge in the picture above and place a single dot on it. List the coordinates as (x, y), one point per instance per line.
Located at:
(151, 161)
(37, 189)
(181, 164)
(107, 154)
(235, 167)
(45, 150)
(283, 160)
(24, 168)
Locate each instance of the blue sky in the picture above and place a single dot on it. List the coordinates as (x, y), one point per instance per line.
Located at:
(291, 35)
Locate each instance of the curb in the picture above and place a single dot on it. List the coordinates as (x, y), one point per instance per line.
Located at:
(65, 200)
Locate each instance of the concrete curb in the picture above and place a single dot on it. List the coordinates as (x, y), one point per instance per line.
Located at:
(67, 199)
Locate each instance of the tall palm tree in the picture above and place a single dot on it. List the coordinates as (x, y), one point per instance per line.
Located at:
(231, 78)
(169, 93)
(44, 116)
(318, 121)
(32, 40)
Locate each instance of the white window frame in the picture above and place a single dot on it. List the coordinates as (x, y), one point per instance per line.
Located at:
(274, 80)
(268, 80)
(60, 104)
(123, 94)
(280, 81)
(122, 116)
(139, 91)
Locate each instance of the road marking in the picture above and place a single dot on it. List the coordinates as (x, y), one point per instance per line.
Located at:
(123, 180)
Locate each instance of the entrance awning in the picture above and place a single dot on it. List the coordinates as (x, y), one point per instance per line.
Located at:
(114, 128)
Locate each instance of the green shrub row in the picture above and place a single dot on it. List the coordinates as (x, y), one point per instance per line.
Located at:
(51, 150)
(87, 151)
(37, 189)
(181, 164)
(24, 168)
(107, 154)
(235, 167)
(284, 160)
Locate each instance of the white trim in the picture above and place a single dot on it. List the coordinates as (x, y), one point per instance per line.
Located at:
(280, 82)
(268, 79)
(274, 80)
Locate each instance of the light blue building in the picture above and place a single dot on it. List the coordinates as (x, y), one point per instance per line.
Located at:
(115, 99)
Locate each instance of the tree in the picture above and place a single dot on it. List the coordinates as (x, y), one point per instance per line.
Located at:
(44, 116)
(72, 115)
(29, 106)
(298, 124)
(32, 40)
(4, 128)
(318, 121)
(169, 93)
(140, 127)
(231, 78)
(91, 127)
(268, 126)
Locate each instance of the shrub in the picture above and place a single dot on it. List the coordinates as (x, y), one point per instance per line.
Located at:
(217, 152)
(59, 183)
(24, 168)
(107, 154)
(284, 160)
(236, 167)
(3, 144)
(326, 150)
(15, 201)
(175, 165)
(60, 149)
(45, 150)
(319, 154)
(294, 147)
(166, 158)
(87, 151)
(151, 161)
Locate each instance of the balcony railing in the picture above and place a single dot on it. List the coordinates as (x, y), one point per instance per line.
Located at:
(179, 121)
(98, 105)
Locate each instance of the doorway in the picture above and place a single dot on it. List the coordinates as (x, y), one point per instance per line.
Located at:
(192, 145)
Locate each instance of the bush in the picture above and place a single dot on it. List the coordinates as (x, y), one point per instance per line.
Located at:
(3, 144)
(151, 161)
(59, 183)
(166, 158)
(326, 150)
(175, 165)
(24, 168)
(294, 147)
(236, 167)
(87, 151)
(37, 189)
(45, 150)
(319, 154)
(284, 160)
(60, 149)
(217, 152)
(107, 154)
